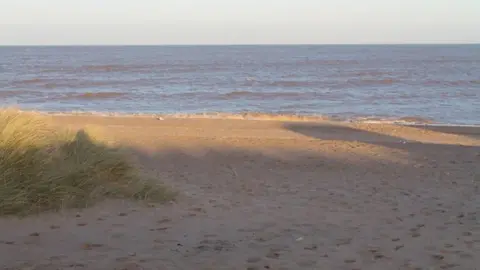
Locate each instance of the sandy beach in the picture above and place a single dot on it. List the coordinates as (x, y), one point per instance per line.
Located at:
(272, 195)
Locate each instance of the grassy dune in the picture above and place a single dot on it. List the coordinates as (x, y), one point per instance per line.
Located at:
(44, 168)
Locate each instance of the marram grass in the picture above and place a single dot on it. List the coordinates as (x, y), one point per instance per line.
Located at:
(44, 168)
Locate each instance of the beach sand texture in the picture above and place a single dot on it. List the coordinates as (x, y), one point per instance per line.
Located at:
(272, 195)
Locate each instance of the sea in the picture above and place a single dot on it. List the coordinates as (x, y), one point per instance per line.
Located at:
(418, 83)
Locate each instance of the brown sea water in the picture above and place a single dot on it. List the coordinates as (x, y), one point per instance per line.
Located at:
(439, 83)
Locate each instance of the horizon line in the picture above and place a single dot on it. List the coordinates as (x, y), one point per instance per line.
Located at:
(237, 44)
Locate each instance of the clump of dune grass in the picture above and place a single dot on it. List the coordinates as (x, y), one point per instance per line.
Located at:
(44, 168)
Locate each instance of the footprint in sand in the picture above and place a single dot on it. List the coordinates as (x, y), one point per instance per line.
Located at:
(415, 234)
(447, 245)
(198, 210)
(343, 241)
(90, 246)
(438, 257)
(160, 229)
(449, 266)
(77, 265)
(165, 220)
(272, 254)
(378, 256)
(465, 255)
(130, 266)
(311, 247)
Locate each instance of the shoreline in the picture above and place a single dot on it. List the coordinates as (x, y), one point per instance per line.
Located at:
(260, 116)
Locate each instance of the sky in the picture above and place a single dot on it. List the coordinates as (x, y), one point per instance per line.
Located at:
(151, 22)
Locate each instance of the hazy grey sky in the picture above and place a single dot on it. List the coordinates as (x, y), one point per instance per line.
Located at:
(238, 21)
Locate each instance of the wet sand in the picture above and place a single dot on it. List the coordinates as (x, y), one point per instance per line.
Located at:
(272, 195)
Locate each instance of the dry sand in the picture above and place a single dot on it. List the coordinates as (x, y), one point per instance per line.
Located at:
(272, 195)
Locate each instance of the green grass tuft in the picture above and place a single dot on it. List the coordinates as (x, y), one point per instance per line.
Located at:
(44, 168)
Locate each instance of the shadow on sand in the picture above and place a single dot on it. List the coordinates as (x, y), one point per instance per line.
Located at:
(236, 170)
(416, 149)
(472, 132)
